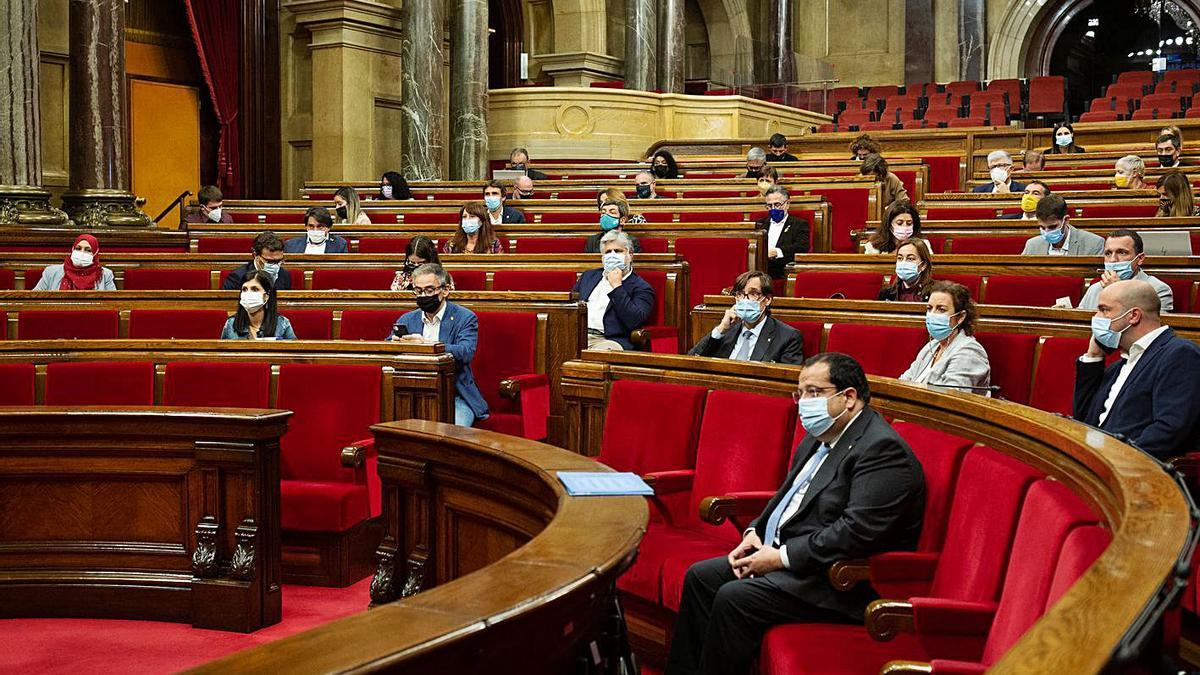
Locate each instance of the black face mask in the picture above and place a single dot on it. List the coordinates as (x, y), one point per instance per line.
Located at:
(753, 173)
(522, 195)
(341, 212)
(517, 167)
(429, 303)
(1164, 204)
(643, 191)
(661, 170)
(1166, 160)
(410, 267)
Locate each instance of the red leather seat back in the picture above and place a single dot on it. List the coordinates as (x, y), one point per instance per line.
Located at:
(225, 244)
(8, 280)
(987, 246)
(940, 454)
(333, 406)
(368, 324)
(101, 383)
(1135, 210)
(570, 217)
(852, 285)
(713, 263)
(983, 518)
(154, 279)
(310, 324)
(434, 218)
(658, 281)
(551, 244)
(16, 384)
(507, 346)
(653, 244)
(217, 384)
(382, 244)
(533, 280)
(848, 210)
(176, 324)
(1011, 357)
(971, 281)
(1031, 291)
(1181, 292)
(1054, 378)
(629, 444)
(1047, 94)
(743, 445)
(811, 332)
(32, 277)
(881, 350)
(725, 216)
(54, 324)
(353, 279)
(1083, 546)
(469, 280)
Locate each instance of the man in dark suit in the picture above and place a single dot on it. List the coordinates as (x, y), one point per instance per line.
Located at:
(1000, 168)
(498, 211)
(268, 257)
(787, 235)
(747, 331)
(618, 300)
(318, 222)
(436, 319)
(854, 489)
(1035, 190)
(1169, 147)
(518, 160)
(1152, 395)
(777, 146)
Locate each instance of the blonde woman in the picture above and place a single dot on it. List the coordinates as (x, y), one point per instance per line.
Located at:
(345, 202)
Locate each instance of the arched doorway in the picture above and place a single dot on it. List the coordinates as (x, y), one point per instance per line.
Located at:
(505, 43)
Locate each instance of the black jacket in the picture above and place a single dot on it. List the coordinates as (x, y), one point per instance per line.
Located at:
(776, 343)
(793, 240)
(511, 215)
(233, 280)
(785, 157)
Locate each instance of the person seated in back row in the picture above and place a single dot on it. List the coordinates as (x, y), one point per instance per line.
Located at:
(901, 222)
(420, 250)
(1058, 237)
(914, 273)
(1169, 149)
(1035, 190)
(893, 189)
(268, 257)
(499, 212)
(257, 316)
(80, 271)
(787, 235)
(209, 198)
(646, 185)
(1000, 170)
(614, 216)
(1124, 256)
(953, 357)
(618, 300)
(318, 222)
(747, 331)
(778, 150)
(518, 160)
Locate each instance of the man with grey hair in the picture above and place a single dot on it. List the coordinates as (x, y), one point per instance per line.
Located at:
(522, 188)
(518, 160)
(1151, 396)
(618, 300)
(1000, 168)
(787, 235)
(436, 319)
(646, 186)
(1130, 173)
(756, 159)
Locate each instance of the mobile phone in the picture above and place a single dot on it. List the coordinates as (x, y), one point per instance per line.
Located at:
(399, 330)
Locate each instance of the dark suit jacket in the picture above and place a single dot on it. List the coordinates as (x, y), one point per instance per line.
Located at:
(777, 343)
(629, 305)
(1014, 216)
(334, 244)
(1014, 186)
(592, 245)
(460, 333)
(512, 215)
(1156, 408)
(233, 280)
(868, 497)
(785, 157)
(536, 175)
(793, 240)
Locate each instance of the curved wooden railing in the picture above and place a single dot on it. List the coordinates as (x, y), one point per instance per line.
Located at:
(523, 572)
(1129, 491)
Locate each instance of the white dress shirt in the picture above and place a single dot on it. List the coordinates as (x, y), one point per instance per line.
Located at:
(773, 231)
(1131, 358)
(431, 329)
(1066, 245)
(597, 302)
(310, 248)
(497, 217)
(750, 334)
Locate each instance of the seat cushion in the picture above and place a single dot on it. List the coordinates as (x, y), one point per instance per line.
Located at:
(319, 506)
(102, 383)
(16, 384)
(690, 551)
(503, 423)
(826, 648)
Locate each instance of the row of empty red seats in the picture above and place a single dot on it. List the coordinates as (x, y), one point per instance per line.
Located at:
(1136, 95)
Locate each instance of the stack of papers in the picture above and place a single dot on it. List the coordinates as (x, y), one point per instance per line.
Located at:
(603, 483)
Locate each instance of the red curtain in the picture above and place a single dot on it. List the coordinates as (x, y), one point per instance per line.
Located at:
(217, 31)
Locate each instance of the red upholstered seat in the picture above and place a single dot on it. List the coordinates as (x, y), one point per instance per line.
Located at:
(1129, 91)
(224, 244)
(1134, 210)
(1031, 291)
(217, 384)
(469, 280)
(811, 332)
(973, 121)
(54, 324)
(1181, 291)
(713, 263)
(941, 114)
(1054, 378)
(533, 280)
(154, 279)
(987, 246)
(1011, 357)
(1083, 546)
(654, 244)
(855, 117)
(1047, 95)
(507, 350)
(333, 406)
(102, 383)
(434, 218)
(570, 217)
(726, 216)
(629, 444)
(848, 210)
(824, 649)
(368, 324)
(32, 277)
(16, 384)
(971, 281)
(940, 454)
(310, 324)
(551, 244)
(881, 350)
(8, 280)
(851, 285)
(178, 324)
(1143, 78)
(382, 244)
(663, 339)
(353, 279)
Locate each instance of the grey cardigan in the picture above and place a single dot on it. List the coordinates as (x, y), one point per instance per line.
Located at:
(52, 278)
(965, 364)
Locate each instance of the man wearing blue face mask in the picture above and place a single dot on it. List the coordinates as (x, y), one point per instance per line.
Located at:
(787, 235)
(747, 331)
(1058, 237)
(1124, 256)
(268, 257)
(854, 489)
(614, 214)
(1152, 394)
(493, 198)
(618, 300)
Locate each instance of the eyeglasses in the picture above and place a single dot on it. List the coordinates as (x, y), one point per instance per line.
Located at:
(426, 291)
(752, 294)
(1001, 166)
(811, 392)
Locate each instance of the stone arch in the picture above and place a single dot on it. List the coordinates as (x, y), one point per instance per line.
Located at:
(730, 52)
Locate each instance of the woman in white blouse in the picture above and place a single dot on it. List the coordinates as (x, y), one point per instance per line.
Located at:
(953, 358)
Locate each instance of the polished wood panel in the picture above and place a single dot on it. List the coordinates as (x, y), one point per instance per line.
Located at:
(457, 500)
(170, 514)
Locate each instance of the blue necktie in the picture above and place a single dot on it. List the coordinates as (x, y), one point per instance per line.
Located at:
(743, 353)
(805, 477)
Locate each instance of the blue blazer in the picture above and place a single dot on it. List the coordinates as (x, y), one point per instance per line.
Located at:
(511, 215)
(460, 333)
(334, 244)
(1016, 187)
(1156, 408)
(629, 305)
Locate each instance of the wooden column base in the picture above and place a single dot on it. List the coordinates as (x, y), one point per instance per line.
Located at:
(105, 208)
(29, 205)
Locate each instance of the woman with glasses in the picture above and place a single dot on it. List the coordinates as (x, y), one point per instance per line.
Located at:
(747, 331)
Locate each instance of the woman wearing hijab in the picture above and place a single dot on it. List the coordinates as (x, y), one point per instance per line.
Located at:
(81, 271)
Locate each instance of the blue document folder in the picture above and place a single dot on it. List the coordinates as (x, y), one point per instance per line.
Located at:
(597, 483)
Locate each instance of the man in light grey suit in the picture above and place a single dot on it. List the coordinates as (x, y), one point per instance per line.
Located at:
(1058, 237)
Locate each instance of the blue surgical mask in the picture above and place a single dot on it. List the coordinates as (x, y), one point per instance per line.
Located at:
(1103, 332)
(814, 414)
(613, 260)
(492, 202)
(272, 270)
(471, 226)
(1123, 268)
(1053, 237)
(748, 310)
(777, 215)
(608, 222)
(907, 270)
(1064, 140)
(938, 325)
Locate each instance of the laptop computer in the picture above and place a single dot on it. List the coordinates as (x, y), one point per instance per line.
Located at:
(1166, 243)
(507, 174)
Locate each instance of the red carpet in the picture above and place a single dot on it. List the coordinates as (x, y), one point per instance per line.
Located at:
(80, 646)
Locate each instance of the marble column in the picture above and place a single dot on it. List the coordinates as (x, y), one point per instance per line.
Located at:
(671, 42)
(422, 89)
(781, 59)
(641, 44)
(918, 41)
(469, 90)
(972, 27)
(99, 194)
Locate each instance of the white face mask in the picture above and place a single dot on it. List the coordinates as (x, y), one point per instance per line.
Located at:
(317, 236)
(215, 215)
(81, 258)
(386, 191)
(253, 300)
(999, 174)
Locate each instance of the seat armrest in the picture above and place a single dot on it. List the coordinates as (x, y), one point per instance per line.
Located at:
(354, 456)
(512, 387)
(885, 619)
(846, 574)
(903, 566)
(939, 616)
(905, 668)
(668, 482)
(715, 510)
(646, 336)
